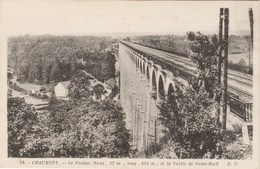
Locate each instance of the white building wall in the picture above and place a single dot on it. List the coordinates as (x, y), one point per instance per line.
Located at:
(60, 91)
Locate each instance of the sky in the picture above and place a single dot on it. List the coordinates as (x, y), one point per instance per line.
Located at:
(79, 17)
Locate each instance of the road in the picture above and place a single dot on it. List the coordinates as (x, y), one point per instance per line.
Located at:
(238, 83)
(28, 99)
(27, 86)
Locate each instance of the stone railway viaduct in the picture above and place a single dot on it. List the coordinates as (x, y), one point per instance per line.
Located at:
(144, 80)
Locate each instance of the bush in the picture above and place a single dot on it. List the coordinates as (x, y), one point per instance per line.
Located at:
(43, 89)
(237, 129)
(21, 125)
(44, 96)
(229, 136)
(152, 149)
(168, 151)
(232, 151)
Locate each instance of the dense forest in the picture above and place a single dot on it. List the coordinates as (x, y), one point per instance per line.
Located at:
(45, 59)
(74, 128)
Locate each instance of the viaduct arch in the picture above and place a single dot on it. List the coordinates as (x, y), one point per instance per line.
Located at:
(143, 84)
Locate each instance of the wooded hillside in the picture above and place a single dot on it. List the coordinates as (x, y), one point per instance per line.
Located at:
(45, 59)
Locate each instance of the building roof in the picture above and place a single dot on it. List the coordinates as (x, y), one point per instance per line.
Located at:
(95, 82)
(65, 84)
(242, 61)
(111, 83)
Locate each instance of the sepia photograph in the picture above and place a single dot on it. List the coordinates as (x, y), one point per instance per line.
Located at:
(128, 80)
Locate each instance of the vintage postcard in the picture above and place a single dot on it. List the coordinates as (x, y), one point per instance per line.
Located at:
(124, 84)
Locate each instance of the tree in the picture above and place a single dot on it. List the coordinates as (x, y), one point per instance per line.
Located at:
(170, 114)
(32, 73)
(73, 67)
(204, 53)
(22, 122)
(190, 123)
(88, 129)
(109, 137)
(24, 73)
(189, 114)
(110, 60)
(39, 73)
(58, 116)
(46, 73)
(98, 90)
(10, 93)
(55, 75)
(80, 85)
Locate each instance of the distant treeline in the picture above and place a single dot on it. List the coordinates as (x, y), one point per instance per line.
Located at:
(180, 44)
(45, 59)
(239, 44)
(169, 43)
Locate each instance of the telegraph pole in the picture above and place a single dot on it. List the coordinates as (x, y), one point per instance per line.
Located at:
(220, 43)
(251, 20)
(225, 68)
(155, 130)
(220, 34)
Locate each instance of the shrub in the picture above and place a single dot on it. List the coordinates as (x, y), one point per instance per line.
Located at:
(44, 96)
(152, 149)
(229, 136)
(237, 129)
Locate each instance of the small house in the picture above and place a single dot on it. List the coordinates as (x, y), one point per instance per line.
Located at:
(33, 91)
(242, 62)
(111, 83)
(61, 89)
